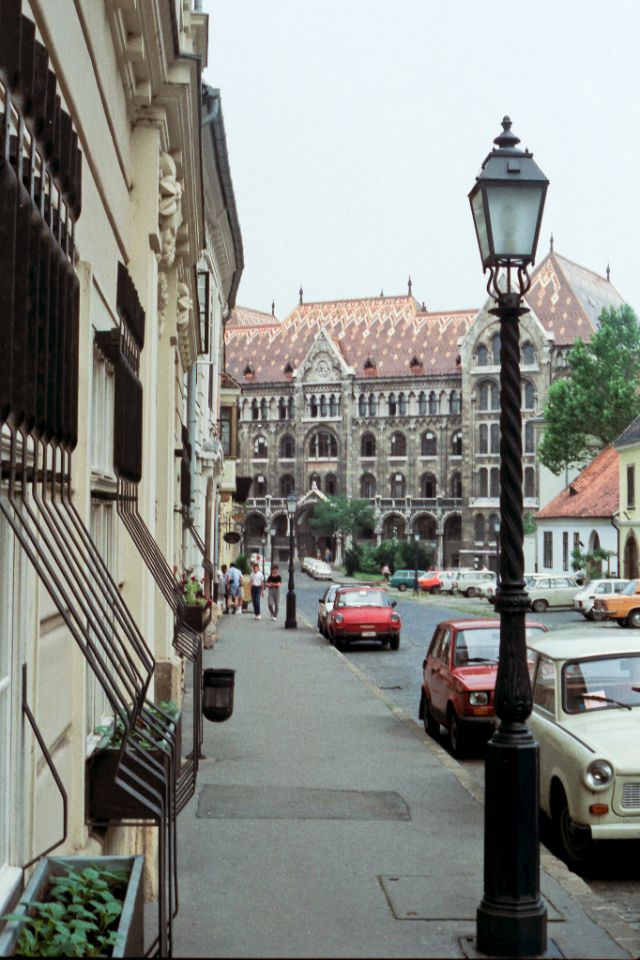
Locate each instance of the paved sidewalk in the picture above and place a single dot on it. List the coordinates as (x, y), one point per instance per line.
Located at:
(327, 825)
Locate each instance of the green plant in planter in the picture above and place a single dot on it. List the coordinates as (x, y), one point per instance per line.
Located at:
(113, 733)
(79, 917)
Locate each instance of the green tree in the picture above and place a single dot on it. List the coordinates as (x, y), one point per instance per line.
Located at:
(599, 398)
(342, 516)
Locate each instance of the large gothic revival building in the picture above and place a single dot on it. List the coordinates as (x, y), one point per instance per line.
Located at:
(381, 399)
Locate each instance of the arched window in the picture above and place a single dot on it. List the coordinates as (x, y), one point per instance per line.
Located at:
(483, 438)
(398, 445)
(454, 402)
(479, 528)
(456, 444)
(367, 486)
(495, 349)
(255, 410)
(482, 356)
(368, 445)
(398, 485)
(264, 409)
(493, 521)
(331, 484)
(282, 409)
(260, 486)
(428, 444)
(456, 485)
(433, 402)
(373, 406)
(527, 353)
(393, 407)
(313, 405)
(428, 486)
(529, 482)
(287, 447)
(489, 395)
(362, 405)
(495, 438)
(323, 406)
(529, 438)
(528, 395)
(260, 450)
(333, 406)
(483, 483)
(323, 445)
(494, 482)
(422, 403)
(291, 408)
(287, 485)
(402, 404)
(316, 479)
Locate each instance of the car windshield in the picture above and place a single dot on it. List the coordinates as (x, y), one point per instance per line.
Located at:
(601, 683)
(362, 598)
(481, 645)
(630, 588)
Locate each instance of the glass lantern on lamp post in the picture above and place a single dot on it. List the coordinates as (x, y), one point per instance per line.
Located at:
(507, 201)
(290, 618)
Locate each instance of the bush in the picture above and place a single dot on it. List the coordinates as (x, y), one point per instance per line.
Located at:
(401, 555)
(242, 564)
(352, 560)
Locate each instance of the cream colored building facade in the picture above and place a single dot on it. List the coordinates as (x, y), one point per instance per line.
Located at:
(148, 247)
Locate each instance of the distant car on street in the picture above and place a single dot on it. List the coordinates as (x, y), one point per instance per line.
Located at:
(592, 590)
(405, 579)
(623, 607)
(470, 582)
(430, 582)
(363, 613)
(325, 606)
(547, 590)
(458, 679)
(318, 569)
(586, 719)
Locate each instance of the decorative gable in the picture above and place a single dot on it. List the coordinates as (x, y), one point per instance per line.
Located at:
(324, 363)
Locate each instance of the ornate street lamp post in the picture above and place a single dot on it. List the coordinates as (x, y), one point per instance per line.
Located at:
(507, 201)
(272, 533)
(290, 618)
(263, 544)
(416, 538)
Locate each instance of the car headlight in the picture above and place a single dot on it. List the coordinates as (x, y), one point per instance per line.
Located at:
(478, 698)
(338, 618)
(598, 774)
(395, 618)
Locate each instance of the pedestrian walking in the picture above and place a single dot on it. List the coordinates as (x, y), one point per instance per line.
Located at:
(223, 589)
(274, 582)
(256, 582)
(234, 582)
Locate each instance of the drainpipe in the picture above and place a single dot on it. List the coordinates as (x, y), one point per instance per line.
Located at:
(616, 527)
(192, 425)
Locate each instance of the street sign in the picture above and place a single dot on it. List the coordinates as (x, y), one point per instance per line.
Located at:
(231, 537)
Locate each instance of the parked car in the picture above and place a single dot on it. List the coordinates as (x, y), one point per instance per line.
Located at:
(469, 582)
(317, 569)
(448, 578)
(459, 677)
(586, 596)
(405, 579)
(586, 719)
(488, 589)
(551, 591)
(623, 607)
(325, 606)
(430, 582)
(363, 613)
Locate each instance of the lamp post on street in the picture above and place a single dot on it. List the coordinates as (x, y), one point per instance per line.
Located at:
(290, 618)
(263, 544)
(497, 533)
(507, 201)
(272, 533)
(416, 539)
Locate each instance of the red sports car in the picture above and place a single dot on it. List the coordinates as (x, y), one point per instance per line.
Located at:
(363, 613)
(459, 677)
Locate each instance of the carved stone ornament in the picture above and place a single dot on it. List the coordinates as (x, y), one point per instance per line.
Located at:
(185, 303)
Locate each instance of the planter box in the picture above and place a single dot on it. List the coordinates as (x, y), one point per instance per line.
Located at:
(196, 616)
(106, 801)
(131, 926)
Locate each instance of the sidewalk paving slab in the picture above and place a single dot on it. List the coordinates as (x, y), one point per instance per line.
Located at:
(326, 824)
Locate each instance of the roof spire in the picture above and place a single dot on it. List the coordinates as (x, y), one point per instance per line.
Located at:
(409, 285)
(300, 293)
(608, 274)
(382, 293)
(551, 243)
(273, 308)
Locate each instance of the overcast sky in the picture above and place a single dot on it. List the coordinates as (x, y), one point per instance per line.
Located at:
(356, 128)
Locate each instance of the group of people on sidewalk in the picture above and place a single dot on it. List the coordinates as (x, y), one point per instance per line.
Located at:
(232, 583)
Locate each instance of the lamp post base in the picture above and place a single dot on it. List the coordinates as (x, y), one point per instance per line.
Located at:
(290, 621)
(512, 918)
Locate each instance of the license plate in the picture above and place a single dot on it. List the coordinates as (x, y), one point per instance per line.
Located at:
(368, 633)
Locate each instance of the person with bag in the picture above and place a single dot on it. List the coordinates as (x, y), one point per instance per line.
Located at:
(274, 581)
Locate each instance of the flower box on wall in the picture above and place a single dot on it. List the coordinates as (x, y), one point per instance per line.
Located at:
(130, 929)
(195, 615)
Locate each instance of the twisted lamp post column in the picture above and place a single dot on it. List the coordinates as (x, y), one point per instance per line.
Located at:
(507, 203)
(290, 621)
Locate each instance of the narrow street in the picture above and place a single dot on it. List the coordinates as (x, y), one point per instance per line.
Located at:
(615, 873)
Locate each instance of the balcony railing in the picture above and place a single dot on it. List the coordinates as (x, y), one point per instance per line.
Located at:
(384, 503)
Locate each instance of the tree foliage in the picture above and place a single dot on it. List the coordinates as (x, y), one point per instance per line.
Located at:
(342, 515)
(599, 398)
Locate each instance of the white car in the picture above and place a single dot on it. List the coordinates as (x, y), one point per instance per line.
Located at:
(586, 719)
(550, 590)
(584, 599)
(469, 582)
(317, 569)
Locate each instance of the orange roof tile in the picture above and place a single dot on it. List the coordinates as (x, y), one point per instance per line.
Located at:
(595, 492)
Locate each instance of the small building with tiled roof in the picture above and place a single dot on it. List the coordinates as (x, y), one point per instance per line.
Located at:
(582, 516)
(380, 398)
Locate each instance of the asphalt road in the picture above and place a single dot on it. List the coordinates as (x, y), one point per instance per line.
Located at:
(615, 873)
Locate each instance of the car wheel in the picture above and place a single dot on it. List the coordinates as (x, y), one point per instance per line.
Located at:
(435, 590)
(471, 592)
(457, 737)
(575, 841)
(633, 619)
(394, 642)
(402, 587)
(431, 725)
(598, 615)
(539, 606)
(622, 622)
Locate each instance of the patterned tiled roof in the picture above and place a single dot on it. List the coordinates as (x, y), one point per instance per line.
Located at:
(630, 435)
(388, 331)
(593, 493)
(568, 298)
(246, 318)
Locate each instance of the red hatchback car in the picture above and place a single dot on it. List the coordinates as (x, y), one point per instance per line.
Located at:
(363, 613)
(459, 677)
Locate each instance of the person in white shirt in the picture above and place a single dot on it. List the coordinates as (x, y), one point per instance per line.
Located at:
(256, 582)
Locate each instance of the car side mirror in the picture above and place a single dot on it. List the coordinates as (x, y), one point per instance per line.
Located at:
(394, 603)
